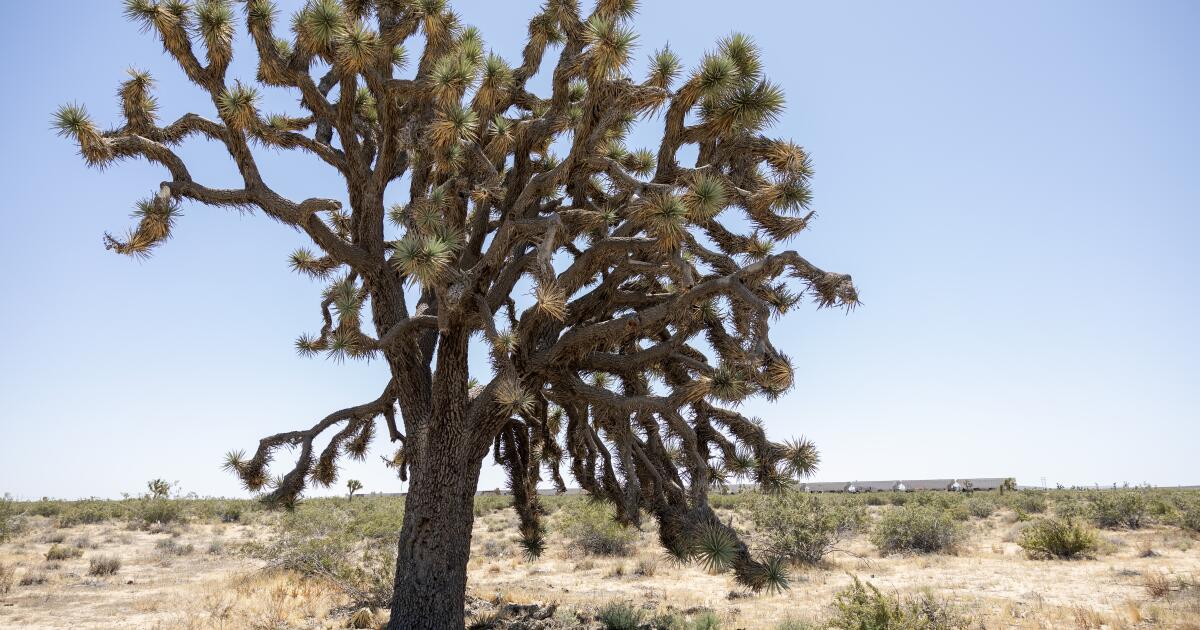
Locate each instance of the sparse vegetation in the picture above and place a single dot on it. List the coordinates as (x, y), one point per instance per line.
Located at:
(60, 552)
(619, 616)
(1058, 538)
(1119, 508)
(592, 528)
(861, 606)
(917, 529)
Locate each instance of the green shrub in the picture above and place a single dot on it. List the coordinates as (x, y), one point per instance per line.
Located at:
(591, 527)
(1058, 538)
(350, 544)
(103, 565)
(169, 546)
(86, 512)
(59, 552)
(488, 503)
(863, 607)
(705, 620)
(794, 624)
(979, 507)
(231, 513)
(1189, 516)
(619, 616)
(9, 520)
(802, 527)
(1116, 509)
(160, 511)
(45, 508)
(899, 498)
(1027, 501)
(916, 529)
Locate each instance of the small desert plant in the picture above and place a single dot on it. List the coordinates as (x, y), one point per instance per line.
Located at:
(1158, 585)
(619, 616)
(1058, 538)
(863, 607)
(169, 546)
(916, 529)
(801, 527)
(6, 578)
(591, 527)
(362, 618)
(160, 511)
(216, 547)
(1027, 501)
(979, 507)
(59, 552)
(8, 517)
(230, 513)
(1115, 509)
(646, 567)
(794, 624)
(33, 578)
(1189, 516)
(705, 620)
(103, 565)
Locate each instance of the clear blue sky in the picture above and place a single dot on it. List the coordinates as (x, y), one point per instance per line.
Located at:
(1014, 185)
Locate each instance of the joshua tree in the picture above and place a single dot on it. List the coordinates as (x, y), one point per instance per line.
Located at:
(352, 486)
(159, 488)
(1009, 484)
(624, 298)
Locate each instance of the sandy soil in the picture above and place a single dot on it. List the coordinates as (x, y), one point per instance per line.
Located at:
(214, 587)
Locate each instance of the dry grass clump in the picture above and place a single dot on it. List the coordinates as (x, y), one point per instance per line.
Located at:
(646, 567)
(170, 546)
(103, 565)
(1158, 585)
(1058, 538)
(33, 578)
(863, 607)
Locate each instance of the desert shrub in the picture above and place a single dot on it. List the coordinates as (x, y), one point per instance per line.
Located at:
(103, 565)
(59, 552)
(705, 620)
(10, 522)
(1189, 516)
(646, 567)
(231, 513)
(216, 547)
(487, 503)
(591, 527)
(619, 616)
(1115, 509)
(362, 618)
(875, 500)
(863, 607)
(801, 527)
(169, 546)
(160, 511)
(1027, 501)
(916, 529)
(350, 544)
(979, 507)
(1058, 538)
(34, 578)
(794, 624)
(86, 512)
(6, 578)
(899, 498)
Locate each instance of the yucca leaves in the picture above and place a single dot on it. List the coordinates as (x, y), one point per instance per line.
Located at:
(238, 106)
(454, 123)
(664, 216)
(705, 199)
(214, 20)
(319, 25)
(551, 300)
(424, 259)
(357, 49)
(72, 121)
(609, 47)
(665, 67)
(802, 457)
(715, 547)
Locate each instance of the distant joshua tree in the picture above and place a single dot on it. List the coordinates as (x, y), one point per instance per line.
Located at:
(624, 299)
(1009, 484)
(352, 486)
(159, 488)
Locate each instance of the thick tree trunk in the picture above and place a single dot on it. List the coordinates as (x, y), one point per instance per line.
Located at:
(435, 543)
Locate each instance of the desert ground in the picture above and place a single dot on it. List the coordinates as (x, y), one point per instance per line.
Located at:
(272, 570)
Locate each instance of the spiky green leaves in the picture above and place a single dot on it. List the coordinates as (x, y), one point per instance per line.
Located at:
(260, 14)
(746, 108)
(665, 67)
(319, 25)
(512, 399)
(453, 124)
(495, 82)
(357, 49)
(156, 216)
(551, 300)
(664, 216)
(138, 106)
(304, 261)
(715, 546)
(801, 457)
(423, 258)
(770, 575)
(729, 384)
(716, 75)
(705, 198)
(72, 121)
(789, 159)
(743, 52)
(449, 79)
(214, 21)
(609, 47)
(238, 106)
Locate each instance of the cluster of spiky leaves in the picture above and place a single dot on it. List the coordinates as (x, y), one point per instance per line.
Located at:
(650, 312)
